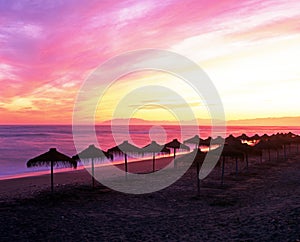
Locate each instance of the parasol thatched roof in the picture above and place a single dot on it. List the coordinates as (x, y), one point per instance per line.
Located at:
(218, 140)
(153, 147)
(53, 156)
(281, 139)
(230, 151)
(232, 140)
(265, 137)
(206, 142)
(175, 144)
(92, 152)
(296, 139)
(255, 137)
(124, 148)
(243, 137)
(194, 140)
(247, 149)
(267, 145)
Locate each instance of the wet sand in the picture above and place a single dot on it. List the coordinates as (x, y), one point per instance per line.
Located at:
(262, 204)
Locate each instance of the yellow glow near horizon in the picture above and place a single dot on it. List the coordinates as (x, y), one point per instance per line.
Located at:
(139, 95)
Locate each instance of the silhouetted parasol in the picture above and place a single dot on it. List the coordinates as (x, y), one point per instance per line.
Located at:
(125, 148)
(154, 148)
(282, 140)
(296, 140)
(175, 144)
(219, 140)
(255, 137)
(265, 137)
(230, 140)
(206, 142)
(92, 153)
(229, 151)
(247, 150)
(52, 158)
(197, 157)
(267, 145)
(243, 137)
(194, 140)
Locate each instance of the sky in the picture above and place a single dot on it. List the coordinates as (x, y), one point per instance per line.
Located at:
(249, 49)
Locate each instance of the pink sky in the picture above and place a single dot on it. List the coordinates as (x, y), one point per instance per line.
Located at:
(250, 49)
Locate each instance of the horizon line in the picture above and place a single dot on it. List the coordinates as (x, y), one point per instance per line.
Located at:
(172, 123)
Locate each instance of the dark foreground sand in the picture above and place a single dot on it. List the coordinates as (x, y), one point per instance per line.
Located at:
(262, 204)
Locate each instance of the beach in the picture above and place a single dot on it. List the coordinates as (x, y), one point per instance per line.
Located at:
(92, 91)
(262, 203)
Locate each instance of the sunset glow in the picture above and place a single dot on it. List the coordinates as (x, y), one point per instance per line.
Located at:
(250, 50)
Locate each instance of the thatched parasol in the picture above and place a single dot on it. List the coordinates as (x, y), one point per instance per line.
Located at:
(243, 137)
(197, 157)
(296, 140)
(247, 150)
(219, 140)
(282, 140)
(92, 153)
(267, 145)
(125, 148)
(229, 151)
(265, 137)
(232, 140)
(194, 140)
(206, 142)
(175, 144)
(255, 137)
(52, 158)
(154, 148)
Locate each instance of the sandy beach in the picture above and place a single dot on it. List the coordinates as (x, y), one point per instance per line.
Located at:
(92, 90)
(262, 203)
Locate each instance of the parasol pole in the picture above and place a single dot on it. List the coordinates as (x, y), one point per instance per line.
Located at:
(52, 176)
(236, 166)
(126, 167)
(93, 173)
(198, 180)
(223, 169)
(153, 162)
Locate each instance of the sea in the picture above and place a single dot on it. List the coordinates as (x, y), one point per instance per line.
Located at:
(19, 143)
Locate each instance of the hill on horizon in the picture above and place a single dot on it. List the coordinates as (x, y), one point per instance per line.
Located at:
(278, 121)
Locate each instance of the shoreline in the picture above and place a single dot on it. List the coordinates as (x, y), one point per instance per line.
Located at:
(83, 167)
(21, 186)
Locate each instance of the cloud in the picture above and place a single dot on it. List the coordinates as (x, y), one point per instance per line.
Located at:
(48, 48)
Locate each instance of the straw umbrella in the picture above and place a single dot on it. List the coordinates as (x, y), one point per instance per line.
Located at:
(243, 137)
(195, 140)
(229, 151)
(125, 148)
(232, 140)
(219, 140)
(255, 138)
(247, 150)
(206, 142)
(265, 137)
(198, 157)
(154, 148)
(296, 140)
(52, 158)
(267, 145)
(92, 153)
(175, 144)
(283, 140)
